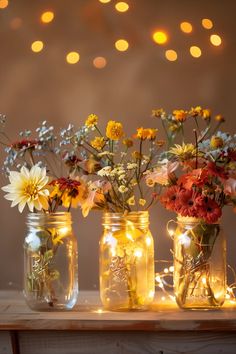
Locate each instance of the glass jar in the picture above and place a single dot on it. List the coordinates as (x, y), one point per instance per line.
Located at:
(127, 279)
(50, 262)
(199, 264)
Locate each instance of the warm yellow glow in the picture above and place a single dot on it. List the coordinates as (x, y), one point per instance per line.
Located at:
(186, 27)
(161, 285)
(3, 4)
(204, 280)
(138, 253)
(37, 46)
(151, 293)
(171, 232)
(47, 17)
(195, 51)
(64, 230)
(163, 298)
(166, 270)
(171, 55)
(215, 40)
(148, 241)
(171, 269)
(104, 1)
(72, 58)
(99, 62)
(160, 37)
(122, 6)
(206, 23)
(158, 278)
(99, 311)
(122, 45)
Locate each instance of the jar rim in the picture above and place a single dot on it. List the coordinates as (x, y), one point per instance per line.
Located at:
(194, 220)
(58, 217)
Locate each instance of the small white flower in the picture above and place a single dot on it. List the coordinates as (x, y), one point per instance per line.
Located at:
(105, 171)
(131, 166)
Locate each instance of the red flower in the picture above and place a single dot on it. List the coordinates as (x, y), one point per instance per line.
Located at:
(186, 204)
(198, 178)
(231, 154)
(168, 199)
(68, 184)
(209, 209)
(24, 144)
(216, 171)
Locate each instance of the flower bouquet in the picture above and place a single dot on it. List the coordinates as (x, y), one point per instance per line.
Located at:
(201, 182)
(31, 164)
(112, 168)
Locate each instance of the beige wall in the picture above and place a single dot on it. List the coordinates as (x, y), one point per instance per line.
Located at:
(37, 87)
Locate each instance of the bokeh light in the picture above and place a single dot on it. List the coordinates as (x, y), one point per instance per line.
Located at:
(122, 6)
(37, 46)
(47, 17)
(16, 23)
(195, 51)
(215, 40)
(207, 23)
(122, 45)
(3, 4)
(186, 27)
(99, 62)
(160, 37)
(72, 57)
(104, 1)
(171, 55)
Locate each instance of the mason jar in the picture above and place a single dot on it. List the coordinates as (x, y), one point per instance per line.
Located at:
(127, 279)
(50, 262)
(199, 264)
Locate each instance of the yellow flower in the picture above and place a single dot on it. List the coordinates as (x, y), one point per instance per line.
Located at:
(184, 151)
(219, 118)
(91, 121)
(197, 111)
(147, 133)
(142, 201)
(123, 189)
(28, 187)
(128, 143)
(216, 142)
(131, 201)
(158, 113)
(206, 113)
(98, 143)
(180, 115)
(114, 130)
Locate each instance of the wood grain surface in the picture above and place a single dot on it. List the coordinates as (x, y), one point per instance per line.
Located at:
(15, 315)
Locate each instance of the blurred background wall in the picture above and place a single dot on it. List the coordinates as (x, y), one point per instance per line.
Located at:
(35, 86)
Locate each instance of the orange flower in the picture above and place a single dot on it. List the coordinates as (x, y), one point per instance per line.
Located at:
(180, 115)
(147, 133)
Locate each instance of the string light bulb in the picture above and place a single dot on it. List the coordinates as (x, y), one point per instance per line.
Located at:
(37, 46)
(104, 1)
(215, 40)
(121, 45)
(99, 62)
(195, 51)
(160, 37)
(207, 23)
(171, 55)
(47, 17)
(72, 57)
(186, 27)
(3, 4)
(122, 6)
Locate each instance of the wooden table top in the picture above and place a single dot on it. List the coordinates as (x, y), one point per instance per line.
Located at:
(89, 315)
